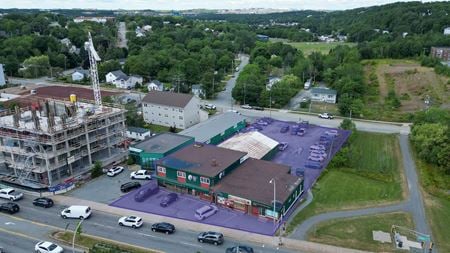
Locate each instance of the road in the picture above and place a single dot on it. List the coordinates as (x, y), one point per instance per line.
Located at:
(413, 204)
(224, 98)
(122, 36)
(36, 222)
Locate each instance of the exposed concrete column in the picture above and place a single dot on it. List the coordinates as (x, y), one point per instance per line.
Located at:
(86, 134)
(66, 142)
(108, 142)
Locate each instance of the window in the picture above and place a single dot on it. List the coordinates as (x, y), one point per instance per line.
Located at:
(204, 180)
(181, 174)
(161, 169)
(181, 117)
(145, 105)
(180, 110)
(166, 115)
(329, 96)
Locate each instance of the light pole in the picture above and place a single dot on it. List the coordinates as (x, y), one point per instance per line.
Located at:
(75, 234)
(214, 79)
(272, 181)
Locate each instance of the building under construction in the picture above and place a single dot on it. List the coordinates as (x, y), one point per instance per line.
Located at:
(53, 141)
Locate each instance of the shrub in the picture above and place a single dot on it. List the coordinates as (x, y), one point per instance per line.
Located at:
(96, 171)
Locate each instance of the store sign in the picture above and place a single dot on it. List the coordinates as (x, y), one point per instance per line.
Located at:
(135, 150)
(240, 200)
(271, 213)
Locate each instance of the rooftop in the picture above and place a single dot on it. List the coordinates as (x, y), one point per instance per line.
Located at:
(202, 159)
(322, 90)
(137, 130)
(251, 181)
(162, 143)
(167, 98)
(256, 144)
(215, 125)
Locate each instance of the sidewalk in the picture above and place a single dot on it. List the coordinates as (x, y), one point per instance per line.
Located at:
(304, 246)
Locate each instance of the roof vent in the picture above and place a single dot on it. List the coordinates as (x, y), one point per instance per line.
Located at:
(214, 163)
(198, 145)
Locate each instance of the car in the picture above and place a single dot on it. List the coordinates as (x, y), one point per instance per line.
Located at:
(282, 146)
(146, 192)
(259, 108)
(326, 116)
(246, 107)
(9, 207)
(163, 227)
(47, 247)
(44, 202)
(235, 111)
(129, 186)
(115, 171)
(210, 237)
(76, 212)
(11, 194)
(240, 249)
(141, 174)
(284, 129)
(210, 107)
(205, 211)
(131, 221)
(301, 132)
(168, 199)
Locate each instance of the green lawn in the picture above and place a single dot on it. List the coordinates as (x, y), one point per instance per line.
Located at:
(308, 47)
(357, 232)
(375, 179)
(158, 128)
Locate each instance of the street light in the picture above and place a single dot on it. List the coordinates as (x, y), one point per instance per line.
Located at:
(272, 181)
(75, 234)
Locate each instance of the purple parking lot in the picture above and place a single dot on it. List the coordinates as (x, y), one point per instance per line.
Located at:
(325, 141)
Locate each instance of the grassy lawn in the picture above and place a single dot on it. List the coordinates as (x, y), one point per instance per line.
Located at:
(375, 179)
(308, 47)
(89, 241)
(357, 232)
(158, 128)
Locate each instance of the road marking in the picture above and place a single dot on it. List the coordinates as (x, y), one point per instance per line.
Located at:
(19, 234)
(10, 223)
(191, 244)
(153, 236)
(101, 225)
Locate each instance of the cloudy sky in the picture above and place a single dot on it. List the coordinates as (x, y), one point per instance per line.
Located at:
(193, 4)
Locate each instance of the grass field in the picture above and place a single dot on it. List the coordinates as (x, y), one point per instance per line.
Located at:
(357, 232)
(375, 179)
(308, 47)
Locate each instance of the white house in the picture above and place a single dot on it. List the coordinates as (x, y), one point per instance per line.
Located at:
(2, 76)
(155, 85)
(272, 82)
(79, 74)
(447, 31)
(197, 90)
(122, 80)
(138, 133)
(171, 109)
(66, 42)
(323, 94)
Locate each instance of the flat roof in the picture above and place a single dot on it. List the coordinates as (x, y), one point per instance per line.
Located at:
(252, 179)
(205, 130)
(256, 144)
(202, 159)
(137, 130)
(162, 143)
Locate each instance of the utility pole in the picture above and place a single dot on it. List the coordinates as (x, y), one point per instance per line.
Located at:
(244, 94)
(272, 181)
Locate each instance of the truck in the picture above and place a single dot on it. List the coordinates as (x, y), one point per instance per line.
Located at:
(308, 84)
(11, 194)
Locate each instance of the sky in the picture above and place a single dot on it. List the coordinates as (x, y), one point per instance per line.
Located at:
(194, 4)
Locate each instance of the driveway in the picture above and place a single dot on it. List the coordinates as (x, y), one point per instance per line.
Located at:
(122, 34)
(302, 96)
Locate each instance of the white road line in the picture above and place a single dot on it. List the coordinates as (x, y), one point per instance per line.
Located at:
(191, 244)
(101, 225)
(153, 236)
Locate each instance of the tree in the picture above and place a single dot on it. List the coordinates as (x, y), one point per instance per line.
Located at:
(106, 67)
(36, 66)
(96, 171)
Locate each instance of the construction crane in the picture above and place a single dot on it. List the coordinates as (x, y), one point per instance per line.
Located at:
(93, 59)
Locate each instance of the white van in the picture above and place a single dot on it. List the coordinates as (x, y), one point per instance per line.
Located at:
(77, 212)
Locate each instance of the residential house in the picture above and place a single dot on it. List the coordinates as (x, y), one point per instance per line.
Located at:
(322, 94)
(261, 37)
(137, 133)
(155, 85)
(122, 80)
(80, 74)
(197, 90)
(66, 42)
(447, 31)
(171, 109)
(2, 76)
(272, 82)
(442, 53)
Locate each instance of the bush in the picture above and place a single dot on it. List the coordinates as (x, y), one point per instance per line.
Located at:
(130, 160)
(96, 171)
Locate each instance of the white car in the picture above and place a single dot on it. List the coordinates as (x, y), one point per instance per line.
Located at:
(325, 116)
(141, 174)
(114, 171)
(235, 111)
(210, 107)
(11, 194)
(47, 247)
(246, 107)
(131, 221)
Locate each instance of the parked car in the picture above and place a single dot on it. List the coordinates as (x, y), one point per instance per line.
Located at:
(76, 212)
(246, 107)
(129, 186)
(210, 106)
(11, 194)
(131, 221)
(115, 171)
(9, 207)
(332, 132)
(284, 129)
(326, 116)
(259, 108)
(235, 111)
(282, 146)
(210, 237)
(163, 227)
(168, 199)
(146, 192)
(240, 249)
(47, 247)
(44, 202)
(316, 158)
(205, 211)
(301, 132)
(141, 174)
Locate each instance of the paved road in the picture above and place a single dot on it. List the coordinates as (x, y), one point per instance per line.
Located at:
(122, 35)
(104, 225)
(224, 98)
(413, 204)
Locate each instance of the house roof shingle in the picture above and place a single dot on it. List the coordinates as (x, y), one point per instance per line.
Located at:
(323, 91)
(168, 98)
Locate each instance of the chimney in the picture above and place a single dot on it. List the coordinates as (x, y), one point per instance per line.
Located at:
(214, 163)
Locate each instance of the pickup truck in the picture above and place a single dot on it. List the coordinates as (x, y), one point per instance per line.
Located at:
(10, 193)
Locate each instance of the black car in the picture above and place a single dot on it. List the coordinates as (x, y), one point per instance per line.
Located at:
(9, 208)
(44, 202)
(259, 108)
(163, 227)
(168, 199)
(129, 186)
(210, 237)
(240, 249)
